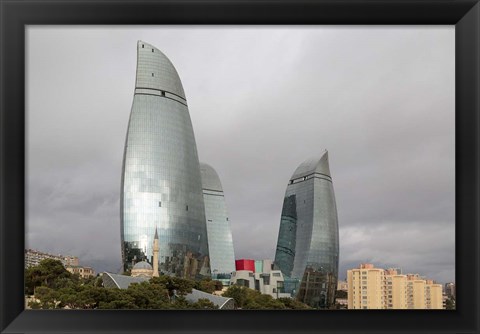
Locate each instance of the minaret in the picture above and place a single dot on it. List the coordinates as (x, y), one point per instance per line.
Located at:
(155, 254)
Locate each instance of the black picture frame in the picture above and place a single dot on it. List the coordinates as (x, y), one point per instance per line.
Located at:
(16, 15)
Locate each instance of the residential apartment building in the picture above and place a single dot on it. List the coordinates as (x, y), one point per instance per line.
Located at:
(377, 288)
(450, 289)
(33, 258)
(366, 287)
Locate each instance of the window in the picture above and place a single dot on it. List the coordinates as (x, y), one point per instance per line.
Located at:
(143, 46)
(159, 204)
(186, 207)
(209, 220)
(243, 282)
(163, 93)
(227, 219)
(276, 274)
(153, 50)
(153, 75)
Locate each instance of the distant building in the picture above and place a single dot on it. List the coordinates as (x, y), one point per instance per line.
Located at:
(33, 258)
(307, 250)
(267, 281)
(365, 287)
(220, 242)
(83, 272)
(245, 264)
(376, 288)
(342, 286)
(450, 290)
(145, 269)
(142, 269)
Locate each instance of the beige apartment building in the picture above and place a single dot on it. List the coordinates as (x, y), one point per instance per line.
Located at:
(33, 258)
(377, 288)
(83, 272)
(366, 287)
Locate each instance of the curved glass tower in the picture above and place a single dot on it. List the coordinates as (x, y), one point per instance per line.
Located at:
(307, 247)
(220, 243)
(161, 183)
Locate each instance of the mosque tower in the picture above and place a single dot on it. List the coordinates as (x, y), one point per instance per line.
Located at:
(155, 254)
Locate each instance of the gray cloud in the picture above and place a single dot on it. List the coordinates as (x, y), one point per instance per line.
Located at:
(262, 100)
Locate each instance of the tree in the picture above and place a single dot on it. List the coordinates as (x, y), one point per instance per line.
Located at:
(249, 299)
(341, 294)
(293, 304)
(218, 285)
(54, 287)
(174, 285)
(238, 293)
(206, 285)
(258, 301)
(204, 304)
(49, 273)
(46, 298)
(148, 295)
(450, 303)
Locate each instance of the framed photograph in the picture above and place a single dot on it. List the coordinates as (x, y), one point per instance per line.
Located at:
(336, 144)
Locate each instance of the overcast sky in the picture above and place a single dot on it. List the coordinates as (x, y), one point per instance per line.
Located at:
(262, 100)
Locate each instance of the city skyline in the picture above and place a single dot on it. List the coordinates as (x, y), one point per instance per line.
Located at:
(381, 100)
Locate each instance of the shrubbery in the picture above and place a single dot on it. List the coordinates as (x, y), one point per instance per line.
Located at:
(54, 287)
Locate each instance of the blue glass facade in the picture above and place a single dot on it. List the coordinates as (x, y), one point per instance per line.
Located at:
(161, 184)
(308, 247)
(220, 243)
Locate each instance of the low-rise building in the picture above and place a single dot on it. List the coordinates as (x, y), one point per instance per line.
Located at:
(342, 286)
(83, 272)
(266, 281)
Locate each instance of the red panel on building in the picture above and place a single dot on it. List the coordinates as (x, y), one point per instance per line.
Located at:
(244, 264)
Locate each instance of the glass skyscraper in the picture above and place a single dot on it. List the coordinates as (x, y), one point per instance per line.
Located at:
(307, 248)
(220, 243)
(161, 184)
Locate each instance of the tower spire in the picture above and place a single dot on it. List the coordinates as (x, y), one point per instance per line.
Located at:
(155, 254)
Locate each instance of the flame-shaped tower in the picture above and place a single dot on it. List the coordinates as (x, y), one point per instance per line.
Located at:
(161, 184)
(308, 248)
